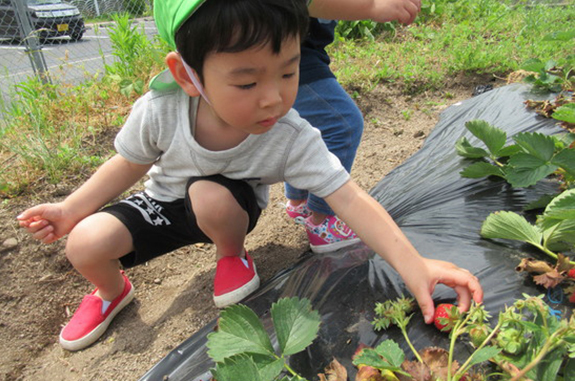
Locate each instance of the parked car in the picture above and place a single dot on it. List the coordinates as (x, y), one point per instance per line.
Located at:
(49, 18)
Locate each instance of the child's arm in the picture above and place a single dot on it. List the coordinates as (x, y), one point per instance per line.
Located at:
(376, 228)
(403, 11)
(50, 222)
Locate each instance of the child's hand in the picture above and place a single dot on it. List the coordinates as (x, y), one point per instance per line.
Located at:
(465, 284)
(404, 11)
(45, 222)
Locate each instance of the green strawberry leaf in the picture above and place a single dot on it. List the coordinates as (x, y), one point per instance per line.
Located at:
(493, 137)
(548, 370)
(268, 367)
(484, 354)
(391, 351)
(525, 170)
(565, 113)
(481, 169)
(558, 235)
(537, 144)
(510, 225)
(465, 149)
(387, 355)
(561, 207)
(509, 150)
(296, 324)
(237, 368)
(239, 331)
(566, 160)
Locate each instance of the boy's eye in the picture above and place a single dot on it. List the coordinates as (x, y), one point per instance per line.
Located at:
(246, 87)
(289, 75)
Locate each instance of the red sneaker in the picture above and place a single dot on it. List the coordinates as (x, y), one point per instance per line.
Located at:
(235, 279)
(88, 322)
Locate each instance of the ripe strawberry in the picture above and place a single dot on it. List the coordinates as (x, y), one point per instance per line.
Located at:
(445, 316)
(571, 273)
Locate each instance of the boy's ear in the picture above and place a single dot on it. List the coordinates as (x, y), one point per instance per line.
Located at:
(176, 66)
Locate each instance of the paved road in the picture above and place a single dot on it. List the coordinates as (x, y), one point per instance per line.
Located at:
(71, 61)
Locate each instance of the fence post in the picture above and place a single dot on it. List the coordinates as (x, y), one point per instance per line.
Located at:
(33, 47)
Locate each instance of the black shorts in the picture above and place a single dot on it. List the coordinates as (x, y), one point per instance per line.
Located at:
(160, 227)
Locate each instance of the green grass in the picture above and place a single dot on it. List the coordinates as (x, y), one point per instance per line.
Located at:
(467, 37)
(53, 133)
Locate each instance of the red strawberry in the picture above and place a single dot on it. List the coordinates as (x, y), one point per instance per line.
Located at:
(445, 316)
(571, 273)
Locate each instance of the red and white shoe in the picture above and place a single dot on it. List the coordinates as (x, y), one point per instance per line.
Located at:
(89, 323)
(235, 279)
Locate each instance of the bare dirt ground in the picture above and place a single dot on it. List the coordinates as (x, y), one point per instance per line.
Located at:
(39, 289)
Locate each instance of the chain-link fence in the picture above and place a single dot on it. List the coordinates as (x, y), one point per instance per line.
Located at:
(60, 40)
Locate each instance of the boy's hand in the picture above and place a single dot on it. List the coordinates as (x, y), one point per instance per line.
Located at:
(46, 222)
(465, 284)
(404, 11)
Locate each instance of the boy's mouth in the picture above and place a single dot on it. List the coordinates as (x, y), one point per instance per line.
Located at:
(268, 122)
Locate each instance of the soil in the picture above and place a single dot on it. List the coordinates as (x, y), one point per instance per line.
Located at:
(39, 290)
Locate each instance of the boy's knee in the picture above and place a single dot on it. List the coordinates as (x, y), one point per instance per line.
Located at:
(79, 241)
(212, 202)
(97, 236)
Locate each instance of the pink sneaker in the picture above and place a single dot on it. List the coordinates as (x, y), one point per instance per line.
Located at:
(332, 234)
(88, 322)
(235, 279)
(300, 210)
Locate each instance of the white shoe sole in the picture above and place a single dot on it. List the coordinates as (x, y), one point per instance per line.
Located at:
(237, 295)
(320, 249)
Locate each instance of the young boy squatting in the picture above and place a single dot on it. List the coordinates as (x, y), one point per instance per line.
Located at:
(212, 134)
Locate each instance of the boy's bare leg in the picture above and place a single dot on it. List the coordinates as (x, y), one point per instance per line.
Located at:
(93, 248)
(220, 217)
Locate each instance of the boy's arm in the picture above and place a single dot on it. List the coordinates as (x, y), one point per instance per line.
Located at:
(378, 230)
(403, 11)
(50, 222)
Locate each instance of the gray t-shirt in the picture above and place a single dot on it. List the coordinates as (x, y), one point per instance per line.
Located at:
(159, 130)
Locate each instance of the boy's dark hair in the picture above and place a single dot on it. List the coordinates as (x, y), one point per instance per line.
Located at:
(236, 25)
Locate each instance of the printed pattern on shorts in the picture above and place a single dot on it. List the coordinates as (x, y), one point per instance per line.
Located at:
(150, 210)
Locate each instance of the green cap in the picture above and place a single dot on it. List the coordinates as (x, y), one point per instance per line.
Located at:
(169, 16)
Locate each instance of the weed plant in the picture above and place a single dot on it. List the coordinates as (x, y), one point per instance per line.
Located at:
(53, 132)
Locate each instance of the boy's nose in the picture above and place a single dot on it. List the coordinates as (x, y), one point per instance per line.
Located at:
(270, 97)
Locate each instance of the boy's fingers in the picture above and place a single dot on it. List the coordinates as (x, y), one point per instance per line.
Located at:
(467, 287)
(425, 303)
(44, 234)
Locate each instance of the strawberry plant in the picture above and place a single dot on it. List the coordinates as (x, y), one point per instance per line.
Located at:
(550, 77)
(242, 349)
(527, 342)
(553, 230)
(533, 157)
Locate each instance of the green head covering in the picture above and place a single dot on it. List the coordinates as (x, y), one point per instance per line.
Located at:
(169, 16)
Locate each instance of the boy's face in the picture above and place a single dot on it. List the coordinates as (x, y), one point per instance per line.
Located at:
(252, 89)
